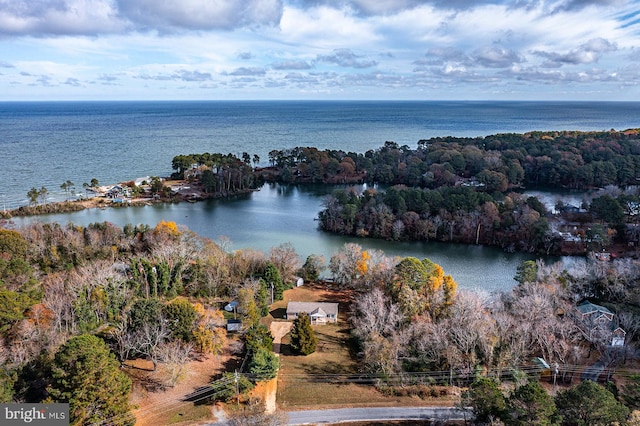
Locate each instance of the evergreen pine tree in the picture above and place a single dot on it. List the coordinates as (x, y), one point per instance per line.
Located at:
(273, 278)
(87, 376)
(588, 403)
(264, 365)
(303, 339)
(264, 298)
(530, 404)
(486, 399)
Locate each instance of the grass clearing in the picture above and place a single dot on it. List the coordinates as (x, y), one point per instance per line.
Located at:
(189, 414)
(329, 377)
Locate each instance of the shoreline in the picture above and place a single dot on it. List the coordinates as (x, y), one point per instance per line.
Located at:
(180, 191)
(184, 191)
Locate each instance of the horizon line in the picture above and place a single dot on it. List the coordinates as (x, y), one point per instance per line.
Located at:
(324, 100)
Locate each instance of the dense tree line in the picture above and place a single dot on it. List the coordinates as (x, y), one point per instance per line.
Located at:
(454, 214)
(496, 162)
(140, 292)
(461, 189)
(411, 306)
(587, 403)
(464, 215)
(218, 173)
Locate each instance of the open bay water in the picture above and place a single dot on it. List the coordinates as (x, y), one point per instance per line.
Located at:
(48, 143)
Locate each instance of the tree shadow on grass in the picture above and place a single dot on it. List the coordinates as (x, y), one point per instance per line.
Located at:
(278, 313)
(206, 393)
(325, 368)
(286, 349)
(145, 379)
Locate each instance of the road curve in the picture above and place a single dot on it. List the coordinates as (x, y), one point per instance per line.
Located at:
(377, 414)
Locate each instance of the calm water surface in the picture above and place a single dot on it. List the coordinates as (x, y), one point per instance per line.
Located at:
(48, 143)
(286, 214)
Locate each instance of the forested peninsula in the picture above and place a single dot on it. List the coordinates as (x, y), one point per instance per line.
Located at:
(462, 190)
(468, 190)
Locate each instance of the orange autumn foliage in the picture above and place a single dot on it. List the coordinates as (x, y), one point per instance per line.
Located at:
(362, 265)
(167, 228)
(209, 333)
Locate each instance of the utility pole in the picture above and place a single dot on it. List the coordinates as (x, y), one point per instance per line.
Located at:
(235, 375)
(271, 293)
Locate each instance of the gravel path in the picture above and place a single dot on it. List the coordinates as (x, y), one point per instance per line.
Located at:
(278, 331)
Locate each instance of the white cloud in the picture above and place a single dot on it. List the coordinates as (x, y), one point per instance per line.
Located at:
(42, 17)
(89, 17)
(200, 14)
(346, 58)
(586, 53)
(325, 28)
(291, 65)
(496, 57)
(244, 72)
(258, 48)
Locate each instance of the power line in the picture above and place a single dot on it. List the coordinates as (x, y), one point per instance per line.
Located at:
(154, 410)
(209, 390)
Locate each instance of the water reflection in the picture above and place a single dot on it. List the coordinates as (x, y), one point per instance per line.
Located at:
(280, 214)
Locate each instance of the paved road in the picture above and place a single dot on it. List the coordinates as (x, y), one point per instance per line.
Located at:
(374, 414)
(371, 414)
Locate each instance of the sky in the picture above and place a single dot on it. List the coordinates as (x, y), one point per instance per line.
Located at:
(320, 49)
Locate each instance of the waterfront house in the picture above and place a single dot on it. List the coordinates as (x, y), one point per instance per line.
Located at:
(319, 312)
(119, 192)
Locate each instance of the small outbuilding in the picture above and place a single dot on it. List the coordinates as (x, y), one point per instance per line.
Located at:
(234, 325)
(229, 307)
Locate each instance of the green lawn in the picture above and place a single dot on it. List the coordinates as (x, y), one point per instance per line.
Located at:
(329, 377)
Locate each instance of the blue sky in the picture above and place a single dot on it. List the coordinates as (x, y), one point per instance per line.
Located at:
(320, 49)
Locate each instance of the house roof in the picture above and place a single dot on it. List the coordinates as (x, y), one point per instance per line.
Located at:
(587, 307)
(328, 308)
(319, 312)
(234, 325)
(541, 363)
(620, 330)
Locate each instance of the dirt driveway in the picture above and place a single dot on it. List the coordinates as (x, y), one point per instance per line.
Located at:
(278, 331)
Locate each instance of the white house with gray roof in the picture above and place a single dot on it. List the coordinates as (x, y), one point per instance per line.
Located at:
(319, 312)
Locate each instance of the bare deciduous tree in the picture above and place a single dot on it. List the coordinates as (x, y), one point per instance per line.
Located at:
(173, 355)
(630, 323)
(59, 300)
(374, 313)
(285, 258)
